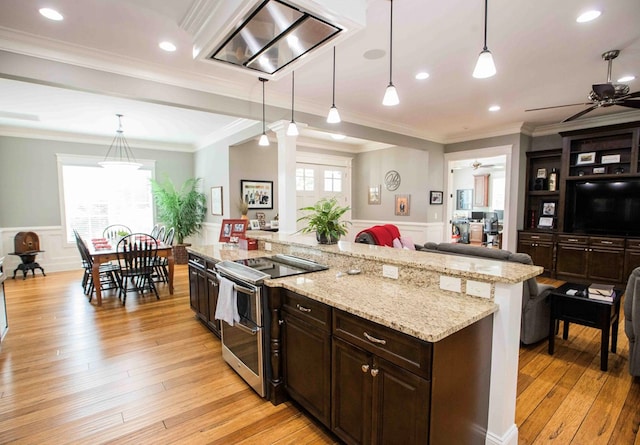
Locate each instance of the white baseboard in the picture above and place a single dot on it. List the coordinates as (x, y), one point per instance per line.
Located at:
(420, 233)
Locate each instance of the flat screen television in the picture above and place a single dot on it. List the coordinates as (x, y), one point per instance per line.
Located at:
(604, 208)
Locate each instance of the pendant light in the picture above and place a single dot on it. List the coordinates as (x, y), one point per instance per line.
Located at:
(292, 129)
(391, 95)
(122, 156)
(334, 117)
(264, 140)
(485, 66)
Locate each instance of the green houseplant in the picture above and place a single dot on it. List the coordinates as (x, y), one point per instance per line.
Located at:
(183, 209)
(324, 219)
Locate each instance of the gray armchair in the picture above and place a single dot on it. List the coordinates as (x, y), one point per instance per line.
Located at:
(632, 320)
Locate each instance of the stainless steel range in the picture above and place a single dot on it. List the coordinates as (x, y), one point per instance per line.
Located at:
(245, 344)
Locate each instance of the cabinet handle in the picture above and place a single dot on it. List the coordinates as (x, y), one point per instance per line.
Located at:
(535, 237)
(213, 283)
(302, 308)
(365, 368)
(572, 240)
(374, 372)
(606, 242)
(374, 340)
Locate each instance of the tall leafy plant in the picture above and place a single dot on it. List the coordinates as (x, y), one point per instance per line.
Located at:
(324, 219)
(185, 210)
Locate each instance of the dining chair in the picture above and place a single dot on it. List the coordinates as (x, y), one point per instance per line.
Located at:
(155, 230)
(137, 256)
(161, 233)
(162, 272)
(109, 273)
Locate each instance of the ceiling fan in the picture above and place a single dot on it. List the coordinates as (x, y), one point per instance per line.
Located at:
(604, 94)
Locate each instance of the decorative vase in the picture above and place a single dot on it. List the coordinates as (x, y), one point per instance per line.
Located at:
(244, 216)
(324, 239)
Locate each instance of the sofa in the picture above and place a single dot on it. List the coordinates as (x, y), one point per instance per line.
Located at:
(632, 320)
(535, 302)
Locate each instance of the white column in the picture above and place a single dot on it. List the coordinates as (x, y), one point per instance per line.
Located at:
(502, 429)
(286, 176)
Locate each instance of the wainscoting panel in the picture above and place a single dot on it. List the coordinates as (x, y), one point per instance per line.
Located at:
(420, 233)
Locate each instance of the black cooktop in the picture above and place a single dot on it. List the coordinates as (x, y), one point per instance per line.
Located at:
(279, 266)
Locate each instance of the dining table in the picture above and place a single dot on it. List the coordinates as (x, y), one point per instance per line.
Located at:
(105, 253)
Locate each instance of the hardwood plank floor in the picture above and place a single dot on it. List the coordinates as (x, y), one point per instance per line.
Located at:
(149, 372)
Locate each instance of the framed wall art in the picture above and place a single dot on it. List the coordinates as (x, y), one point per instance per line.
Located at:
(257, 194)
(254, 224)
(403, 203)
(435, 197)
(586, 158)
(374, 195)
(216, 200)
(548, 208)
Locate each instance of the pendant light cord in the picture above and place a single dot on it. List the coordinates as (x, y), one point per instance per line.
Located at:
(391, 45)
(486, 5)
(263, 80)
(333, 103)
(293, 81)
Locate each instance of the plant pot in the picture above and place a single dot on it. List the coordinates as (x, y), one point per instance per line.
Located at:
(324, 239)
(180, 254)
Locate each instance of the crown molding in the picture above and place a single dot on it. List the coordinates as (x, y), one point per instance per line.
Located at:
(579, 124)
(516, 128)
(228, 130)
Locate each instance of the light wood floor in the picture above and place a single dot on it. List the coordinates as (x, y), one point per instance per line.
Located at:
(150, 373)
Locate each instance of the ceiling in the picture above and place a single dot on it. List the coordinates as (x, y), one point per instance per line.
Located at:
(543, 58)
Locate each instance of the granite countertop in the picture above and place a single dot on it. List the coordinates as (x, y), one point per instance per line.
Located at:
(425, 313)
(225, 252)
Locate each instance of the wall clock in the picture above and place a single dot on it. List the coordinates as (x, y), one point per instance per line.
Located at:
(392, 180)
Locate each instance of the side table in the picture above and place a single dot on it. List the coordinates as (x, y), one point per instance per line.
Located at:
(585, 311)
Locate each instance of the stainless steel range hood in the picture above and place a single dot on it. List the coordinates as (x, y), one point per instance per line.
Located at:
(272, 36)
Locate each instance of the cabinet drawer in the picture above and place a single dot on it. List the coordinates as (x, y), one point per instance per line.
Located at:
(633, 244)
(311, 311)
(531, 236)
(606, 242)
(573, 239)
(403, 350)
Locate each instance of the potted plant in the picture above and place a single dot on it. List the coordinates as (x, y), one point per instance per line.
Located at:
(324, 219)
(184, 210)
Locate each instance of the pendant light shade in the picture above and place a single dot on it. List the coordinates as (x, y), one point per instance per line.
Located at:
(119, 155)
(391, 95)
(333, 117)
(485, 66)
(264, 140)
(292, 129)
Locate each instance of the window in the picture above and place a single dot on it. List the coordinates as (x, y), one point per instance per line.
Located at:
(94, 197)
(333, 181)
(304, 179)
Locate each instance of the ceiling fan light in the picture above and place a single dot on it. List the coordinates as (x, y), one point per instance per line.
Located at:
(51, 14)
(485, 66)
(333, 117)
(626, 78)
(292, 129)
(390, 96)
(264, 140)
(588, 16)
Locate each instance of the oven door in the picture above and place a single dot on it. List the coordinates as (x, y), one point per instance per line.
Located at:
(242, 343)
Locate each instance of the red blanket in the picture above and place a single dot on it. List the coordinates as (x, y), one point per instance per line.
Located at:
(384, 234)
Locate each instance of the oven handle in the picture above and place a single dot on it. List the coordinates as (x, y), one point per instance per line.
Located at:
(237, 287)
(246, 329)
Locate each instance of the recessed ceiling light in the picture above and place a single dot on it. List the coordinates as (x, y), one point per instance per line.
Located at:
(51, 14)
(374, 54)
(167, 46)
(338, 137)
(588, 16)
(626, 79)
(494, 108)
(422, 75)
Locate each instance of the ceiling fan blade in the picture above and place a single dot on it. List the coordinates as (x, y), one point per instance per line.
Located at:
(582, 113)
(630, 95)
(629, 103)
(558, 106)
(604, 90)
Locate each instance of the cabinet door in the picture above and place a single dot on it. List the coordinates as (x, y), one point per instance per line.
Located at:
(4, 325)
(481, 191)
(212, 294)
(307, 366)
(400, 405)
(571, 260)
(193, 289)
(203, 298)
(606, 265)
(351, 393)
(631, 261)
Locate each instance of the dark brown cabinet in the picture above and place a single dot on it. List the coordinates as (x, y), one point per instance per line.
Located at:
(594, 259)
(539, 246)
(4, 325)
(632, 256)
(306, 337)
(203, 291)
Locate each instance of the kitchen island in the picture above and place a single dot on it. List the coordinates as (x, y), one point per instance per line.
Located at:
(419, 307)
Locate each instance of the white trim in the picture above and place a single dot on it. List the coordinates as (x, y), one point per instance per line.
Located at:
(420, 233)
(324, 159)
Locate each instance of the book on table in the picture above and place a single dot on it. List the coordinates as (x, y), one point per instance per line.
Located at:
(602, 292)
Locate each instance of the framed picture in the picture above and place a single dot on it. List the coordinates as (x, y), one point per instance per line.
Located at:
(258, 194)
(463, 199)
(254, 224)
(374, 194)
(261, 219)
(275, 224)
(541, 173)
(232, 230)
(548, 208)
(545, 222)
(599, 170)
(586, 158)
(216, 200)
(610, 159)
(402, 205)
(435, 197)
